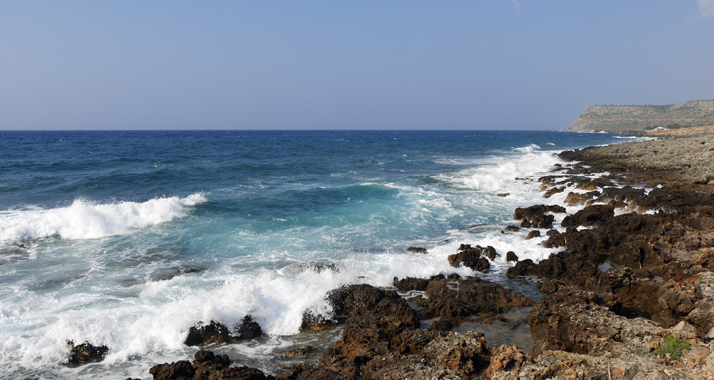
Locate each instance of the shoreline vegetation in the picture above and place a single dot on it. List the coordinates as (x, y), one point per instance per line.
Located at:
(629, 296)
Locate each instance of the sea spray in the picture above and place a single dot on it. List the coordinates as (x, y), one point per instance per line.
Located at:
(88, 220)
(107, 258)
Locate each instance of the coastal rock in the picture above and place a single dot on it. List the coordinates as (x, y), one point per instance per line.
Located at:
(213, 333)
(249, 329)
(442, 325)
(552, 191)
(180, 370)
(511, 256)
(206, 366)
(472, 257)
(512, 228)
(86, 353)
(589, 216)
(506, 361)
(455, 300)
(536, 217)
(347, 301)
(577, 199)
(416, 250)
(533, 234)
(410, 283)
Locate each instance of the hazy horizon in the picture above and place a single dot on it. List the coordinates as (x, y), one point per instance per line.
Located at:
(318, 65)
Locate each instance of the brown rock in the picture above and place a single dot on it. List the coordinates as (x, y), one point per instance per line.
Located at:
(533, 234)
(86, 353)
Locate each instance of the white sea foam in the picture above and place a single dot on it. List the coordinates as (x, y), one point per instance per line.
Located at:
(88, 220)
(504, 172)
(527, 149)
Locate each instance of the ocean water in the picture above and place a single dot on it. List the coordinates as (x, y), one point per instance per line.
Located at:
(128, 239)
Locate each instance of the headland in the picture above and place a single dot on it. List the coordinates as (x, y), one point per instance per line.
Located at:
(639, 118)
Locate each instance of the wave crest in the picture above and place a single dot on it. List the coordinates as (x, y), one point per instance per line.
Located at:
(87, 220)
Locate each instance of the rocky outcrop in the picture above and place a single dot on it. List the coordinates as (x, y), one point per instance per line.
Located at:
(206, 366)
(473, 257)
(217, 333)
(537, 216)
(86, 353)
(638, 118)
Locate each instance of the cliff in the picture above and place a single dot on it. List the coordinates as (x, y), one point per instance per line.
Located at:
(638, 118)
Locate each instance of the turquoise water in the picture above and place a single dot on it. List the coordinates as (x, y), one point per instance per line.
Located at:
(96, 229)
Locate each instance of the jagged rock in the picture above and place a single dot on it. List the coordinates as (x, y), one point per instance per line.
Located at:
(589, 216)
(511, 256)
(577, 199)
(180, 370)
(512, 228)
(553, 190)
(213, 333)
(206, 363)
(442, 325)
(456, 300)
(506, 360)
(472, 257)
(416, 250)
(348, 301)
(533, 234)
(249, 329)
(536, 217)
(410, 283)
(86, 353)
(206, 366)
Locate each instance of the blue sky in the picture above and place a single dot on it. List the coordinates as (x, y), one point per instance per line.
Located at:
(345, 64)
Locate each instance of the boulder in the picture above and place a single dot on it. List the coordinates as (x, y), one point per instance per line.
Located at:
(86, 353)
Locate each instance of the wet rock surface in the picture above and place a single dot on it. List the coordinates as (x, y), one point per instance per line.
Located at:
(206, 366)
(473, 257)
(218, 333)
(86, 353)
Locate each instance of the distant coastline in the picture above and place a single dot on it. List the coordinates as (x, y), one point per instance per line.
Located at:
(639, 118)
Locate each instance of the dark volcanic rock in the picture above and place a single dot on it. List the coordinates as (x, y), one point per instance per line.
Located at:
(533, 234)
(86, 353)
(348, 301)
(213, 333)
(410, 283)
(511, 256)
(249, 329)
(442, 325)
(589, 216)
(416, 250)
(472, 257)
(536, 217)
(206, 366)
(456, 300)
(180, 370)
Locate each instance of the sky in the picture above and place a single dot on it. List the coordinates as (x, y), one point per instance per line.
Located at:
(478, 64)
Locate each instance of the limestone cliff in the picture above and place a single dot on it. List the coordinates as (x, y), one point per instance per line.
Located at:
(638, 118)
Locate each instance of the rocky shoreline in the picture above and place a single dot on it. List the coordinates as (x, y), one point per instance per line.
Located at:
(629, 296)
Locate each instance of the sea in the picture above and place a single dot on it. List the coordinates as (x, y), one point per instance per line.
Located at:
(129, 238)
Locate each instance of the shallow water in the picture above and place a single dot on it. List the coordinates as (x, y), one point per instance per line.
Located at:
(129, 238)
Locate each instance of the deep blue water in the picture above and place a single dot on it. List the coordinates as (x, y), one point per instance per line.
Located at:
(92, 222)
